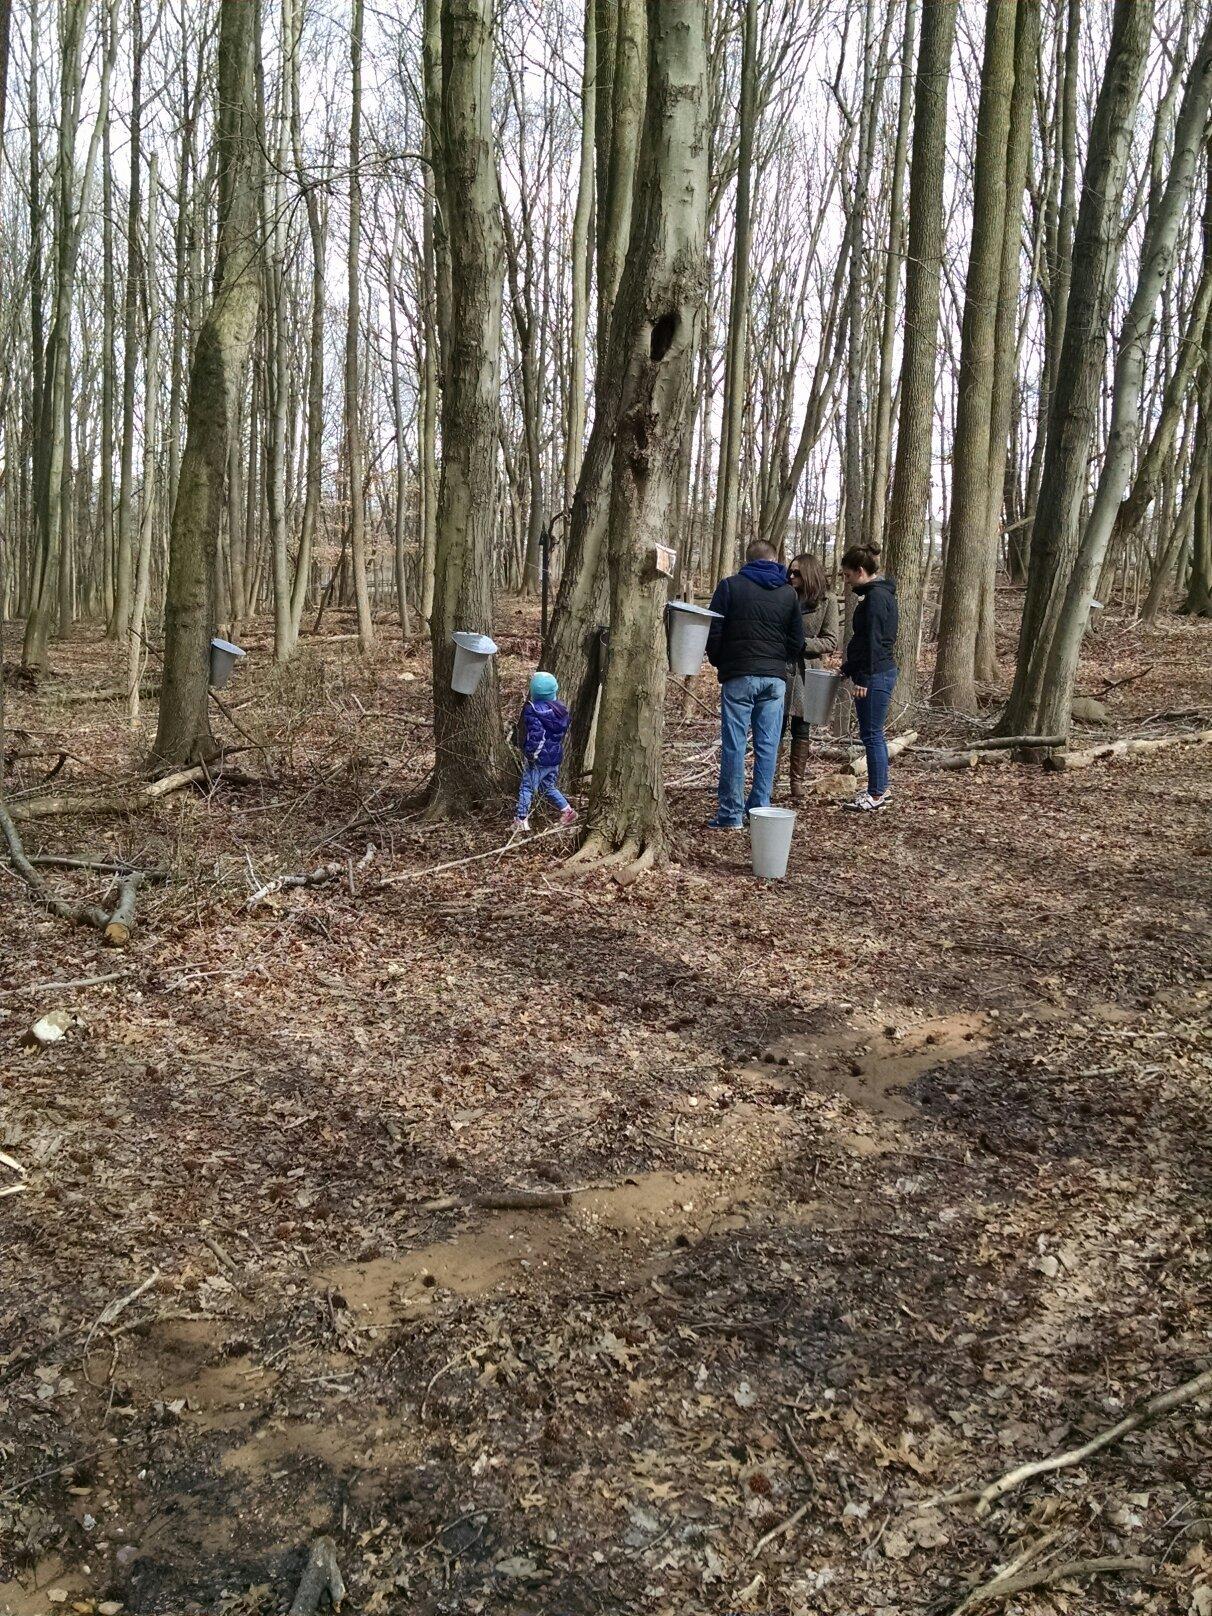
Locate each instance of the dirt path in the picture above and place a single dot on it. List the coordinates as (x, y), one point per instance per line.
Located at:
(879, 1181)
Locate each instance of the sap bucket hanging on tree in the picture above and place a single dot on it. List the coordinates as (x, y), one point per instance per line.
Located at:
(472, 652)
(223, 658)
(770, 833)
(689, 627)
(820, 694)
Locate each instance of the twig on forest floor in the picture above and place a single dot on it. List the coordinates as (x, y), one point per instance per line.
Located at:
(1004, 1586)
(511, 846)
(778, 1531)
(1150, 1410)
(63, 987)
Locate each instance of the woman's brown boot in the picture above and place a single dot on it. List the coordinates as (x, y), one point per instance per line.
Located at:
(799, 768)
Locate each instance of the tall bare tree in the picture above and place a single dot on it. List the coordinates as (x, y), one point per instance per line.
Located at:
(655, 326)
(468, 740)
(220, 356)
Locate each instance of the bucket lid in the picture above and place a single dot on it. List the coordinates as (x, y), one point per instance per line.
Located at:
(225, 645)
(477, 644)
(772, 813)
(692, 611)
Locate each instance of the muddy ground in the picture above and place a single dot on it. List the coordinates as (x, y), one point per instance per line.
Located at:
(865, 1187)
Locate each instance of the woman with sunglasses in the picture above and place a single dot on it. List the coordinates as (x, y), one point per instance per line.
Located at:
(818, 606)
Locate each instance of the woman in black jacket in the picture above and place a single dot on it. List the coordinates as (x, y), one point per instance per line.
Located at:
(818, 607)
(870, 665)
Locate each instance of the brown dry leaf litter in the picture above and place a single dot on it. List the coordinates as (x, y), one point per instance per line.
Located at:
(882, 1180)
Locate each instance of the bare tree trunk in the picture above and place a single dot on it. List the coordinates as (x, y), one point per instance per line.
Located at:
(575, 448)
(468, 742)
(1005, 365)
(135, 657)
(656, 324)
(964, 571)
(909, 508)
(1157, 259)
(1074, 404)
(130, 339)
(728, 483)
(276, 365)
(572, 639)
(71, 209)
(353, 333)
(314, 470)
(219, 361)
(881, 448)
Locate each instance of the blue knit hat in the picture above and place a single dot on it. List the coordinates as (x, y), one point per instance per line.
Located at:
(544, 687)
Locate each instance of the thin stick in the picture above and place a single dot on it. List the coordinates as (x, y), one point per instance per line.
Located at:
(1047, 1576)
(778, 1531)
(511, 846)
(1151, 1410)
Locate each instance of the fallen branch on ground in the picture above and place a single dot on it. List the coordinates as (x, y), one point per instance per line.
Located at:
(1064, 761)
(858, 765)
(1153, 1409)
(522, 1200)
(322, 1576)
(1004, 1586)
(118, 929)
(115, 924)
(83, 914)
(128, 800)
(511, 846)
(318, 878)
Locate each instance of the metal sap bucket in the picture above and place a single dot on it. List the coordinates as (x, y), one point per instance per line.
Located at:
(820, 694)
(770, 833)
(472, 654)
(689, 627)
(223, 658)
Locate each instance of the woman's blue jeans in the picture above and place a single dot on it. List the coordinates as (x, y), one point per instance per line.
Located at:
(872, 711)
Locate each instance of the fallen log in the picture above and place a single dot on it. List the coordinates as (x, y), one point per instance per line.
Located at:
(896, 746)
(121, 921)
(129, 799)
(1063, 762)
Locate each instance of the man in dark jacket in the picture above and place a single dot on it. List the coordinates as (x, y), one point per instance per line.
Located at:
(758, 632)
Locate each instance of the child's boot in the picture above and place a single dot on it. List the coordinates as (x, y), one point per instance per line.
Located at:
(569, 816)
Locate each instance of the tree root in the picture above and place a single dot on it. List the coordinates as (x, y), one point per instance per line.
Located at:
(626, 862)
(1153, 1409)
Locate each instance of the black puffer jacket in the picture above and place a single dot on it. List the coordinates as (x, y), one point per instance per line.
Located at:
(761, 628)
(872, 646)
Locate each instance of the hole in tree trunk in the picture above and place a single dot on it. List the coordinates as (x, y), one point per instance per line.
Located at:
(663, 332)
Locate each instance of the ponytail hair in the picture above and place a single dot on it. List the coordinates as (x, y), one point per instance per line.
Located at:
(862, 558)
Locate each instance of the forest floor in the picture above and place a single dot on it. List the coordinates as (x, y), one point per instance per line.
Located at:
(882, 1179)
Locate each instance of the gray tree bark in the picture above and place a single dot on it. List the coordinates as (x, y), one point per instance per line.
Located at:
(224, 342)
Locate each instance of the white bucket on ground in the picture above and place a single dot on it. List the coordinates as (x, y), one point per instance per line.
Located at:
(472, 652)
(223, 658)
(820, 693)
(770, 833)
(689, 627)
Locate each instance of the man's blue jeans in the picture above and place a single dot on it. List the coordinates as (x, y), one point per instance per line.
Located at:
(748, 703)
(872, 713)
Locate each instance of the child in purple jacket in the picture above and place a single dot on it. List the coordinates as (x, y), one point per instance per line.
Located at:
(543, 725)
